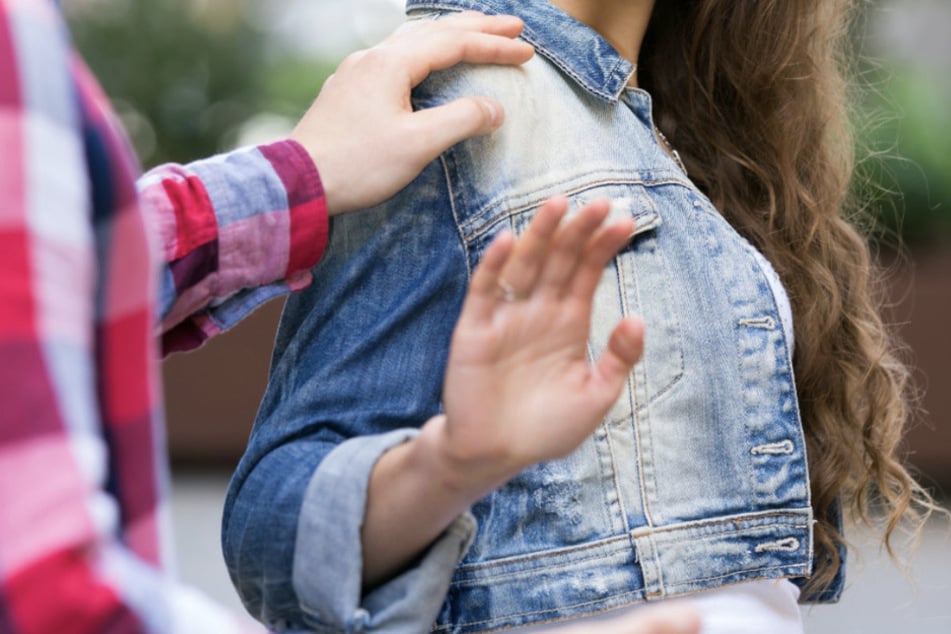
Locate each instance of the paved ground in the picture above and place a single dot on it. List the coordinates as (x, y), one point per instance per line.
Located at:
(879, 599)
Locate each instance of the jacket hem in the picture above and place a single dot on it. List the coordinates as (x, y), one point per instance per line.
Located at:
(647, 564)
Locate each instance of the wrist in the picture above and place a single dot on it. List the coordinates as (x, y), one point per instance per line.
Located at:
(325, 168)
(466, 475)
(328, 181)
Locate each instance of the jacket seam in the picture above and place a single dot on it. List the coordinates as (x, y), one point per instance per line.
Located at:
(609, 542)
(451, 194)
(635, 593)
(517, 559)
(543, 50)
(480, 222)
(561, 607)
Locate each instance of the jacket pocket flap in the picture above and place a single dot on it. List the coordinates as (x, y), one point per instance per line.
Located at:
(636, 205)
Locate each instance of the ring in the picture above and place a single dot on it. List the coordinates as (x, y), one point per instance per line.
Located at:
(507, 293)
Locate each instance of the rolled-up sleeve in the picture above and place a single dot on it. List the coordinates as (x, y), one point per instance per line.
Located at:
(358, 367)
(234, 230)
(328, 555)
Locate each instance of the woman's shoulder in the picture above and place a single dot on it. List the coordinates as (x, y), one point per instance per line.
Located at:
(529, 85)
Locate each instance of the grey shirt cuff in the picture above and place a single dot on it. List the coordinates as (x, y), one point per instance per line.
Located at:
(328, 557)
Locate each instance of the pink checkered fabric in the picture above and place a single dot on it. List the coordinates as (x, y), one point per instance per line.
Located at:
(90, 262)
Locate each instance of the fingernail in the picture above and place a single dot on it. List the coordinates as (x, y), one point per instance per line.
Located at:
(495, 114)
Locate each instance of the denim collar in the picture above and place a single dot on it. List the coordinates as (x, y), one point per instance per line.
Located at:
(575, 48)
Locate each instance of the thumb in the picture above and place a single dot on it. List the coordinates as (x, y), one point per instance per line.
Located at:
(458, 120)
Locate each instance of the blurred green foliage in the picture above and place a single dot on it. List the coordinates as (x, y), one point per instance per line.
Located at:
(186, 75)
(904, 123)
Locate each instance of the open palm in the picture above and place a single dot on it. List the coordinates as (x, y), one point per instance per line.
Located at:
(519, 386)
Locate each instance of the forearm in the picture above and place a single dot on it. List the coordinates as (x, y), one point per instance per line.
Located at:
(415, 492)
(292, 542)
(500, 417)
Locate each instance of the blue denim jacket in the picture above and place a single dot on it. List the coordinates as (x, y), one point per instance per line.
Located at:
(696, 479)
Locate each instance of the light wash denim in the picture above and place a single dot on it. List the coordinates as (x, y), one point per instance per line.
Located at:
(696, 479)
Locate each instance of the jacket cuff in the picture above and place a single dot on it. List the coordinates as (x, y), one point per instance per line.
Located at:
(328, 557)
(306, 203)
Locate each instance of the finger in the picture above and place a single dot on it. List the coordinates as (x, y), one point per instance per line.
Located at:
(667, 619)
(676, 618)
(571, 239)
(439, 128)
(506, 25)
(599, 251)
(482, 296)
(442, 48)
(625, 347)
(470, 20)
(528, 258)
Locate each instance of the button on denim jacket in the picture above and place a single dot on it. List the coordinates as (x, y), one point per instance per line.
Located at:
(696, 479)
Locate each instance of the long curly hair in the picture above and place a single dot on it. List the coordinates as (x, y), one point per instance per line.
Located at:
(753, 94)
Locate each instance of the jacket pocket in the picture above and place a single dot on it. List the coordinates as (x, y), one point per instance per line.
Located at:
(637, 282)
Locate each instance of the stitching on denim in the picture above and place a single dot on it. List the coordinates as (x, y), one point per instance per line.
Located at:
(518, 559)
(615, 472)
(609, 545)
(544, 52)
(664, 390)
(609, 179)
(766, 322)
(762, 569)
(447, 172)
(794, 514)
(563, 618)
(480, 222)
(793, 570)
(785, 447)
(517, 574)
(799, 568)
(644, 408)
(788, 545)
(529, 37)
(715, 537)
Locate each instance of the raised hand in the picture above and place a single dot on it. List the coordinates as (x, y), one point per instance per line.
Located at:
(519, 387)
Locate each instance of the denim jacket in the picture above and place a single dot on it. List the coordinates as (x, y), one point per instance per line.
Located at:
(697, 478)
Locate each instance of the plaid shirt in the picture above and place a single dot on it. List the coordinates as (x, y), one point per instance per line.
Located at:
(83, 477)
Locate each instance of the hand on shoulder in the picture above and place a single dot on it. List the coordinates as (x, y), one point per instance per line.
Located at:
(362, 132)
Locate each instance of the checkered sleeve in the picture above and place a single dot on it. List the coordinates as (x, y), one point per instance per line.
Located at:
(74, 554)
(235, 230)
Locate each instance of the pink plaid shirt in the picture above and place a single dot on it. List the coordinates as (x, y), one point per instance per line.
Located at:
(83, 477)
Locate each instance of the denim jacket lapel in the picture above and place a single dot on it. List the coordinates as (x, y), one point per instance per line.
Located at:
(602, 71)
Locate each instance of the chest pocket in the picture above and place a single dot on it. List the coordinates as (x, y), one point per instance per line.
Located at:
(637, 282)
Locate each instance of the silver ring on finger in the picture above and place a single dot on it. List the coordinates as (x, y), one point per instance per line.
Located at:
(507, 292)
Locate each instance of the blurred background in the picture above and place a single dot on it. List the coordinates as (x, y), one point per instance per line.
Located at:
(193, 77)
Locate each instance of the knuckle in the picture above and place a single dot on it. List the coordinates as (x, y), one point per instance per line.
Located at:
(351, 60)
(382, 58)
(375, 55)
(473, 112)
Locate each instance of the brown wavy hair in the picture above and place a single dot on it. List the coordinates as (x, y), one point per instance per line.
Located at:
(753, 94)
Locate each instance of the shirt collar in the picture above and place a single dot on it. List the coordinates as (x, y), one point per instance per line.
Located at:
(577, 49)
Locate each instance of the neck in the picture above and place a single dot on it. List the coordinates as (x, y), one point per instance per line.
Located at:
(621, 22)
